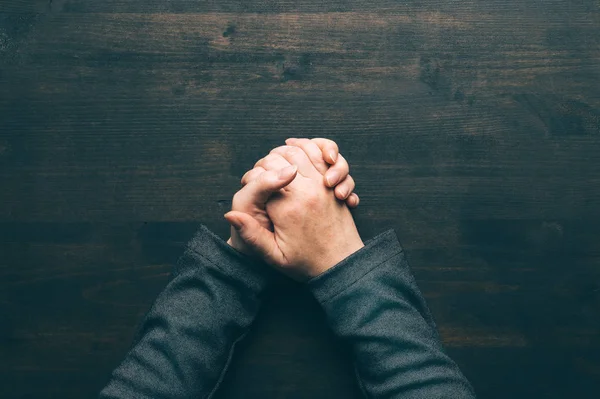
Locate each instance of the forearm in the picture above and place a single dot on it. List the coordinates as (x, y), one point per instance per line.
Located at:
(373, 303)
(186, 340)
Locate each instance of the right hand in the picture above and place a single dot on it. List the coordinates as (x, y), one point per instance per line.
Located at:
(313, 231)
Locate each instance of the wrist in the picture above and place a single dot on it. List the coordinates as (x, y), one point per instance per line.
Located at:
(237, 244)
(347, 248)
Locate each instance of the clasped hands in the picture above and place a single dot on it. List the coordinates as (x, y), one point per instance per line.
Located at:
(292, 210)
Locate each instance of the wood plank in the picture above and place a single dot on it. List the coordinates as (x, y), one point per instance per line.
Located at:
(472, 129)
(547, 9)
(184, 114)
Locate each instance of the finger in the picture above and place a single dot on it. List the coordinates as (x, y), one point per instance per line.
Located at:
(252, 174)
(328, 147)
(272, 162)
(352, 201)
(317, 156)
(313, 151)
(337, 172)
(296, 156)
(259, 190)
(259, 239)
(345, 188)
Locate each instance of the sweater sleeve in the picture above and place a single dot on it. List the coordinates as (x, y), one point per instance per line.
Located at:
(187, 338)
(374, 305)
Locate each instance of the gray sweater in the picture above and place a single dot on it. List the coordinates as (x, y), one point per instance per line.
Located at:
(372, 303)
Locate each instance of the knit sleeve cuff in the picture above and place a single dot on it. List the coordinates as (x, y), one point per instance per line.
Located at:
(350, 270)
(209, 247)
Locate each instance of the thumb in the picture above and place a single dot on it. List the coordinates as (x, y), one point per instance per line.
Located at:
(269, 182)
(259, 239)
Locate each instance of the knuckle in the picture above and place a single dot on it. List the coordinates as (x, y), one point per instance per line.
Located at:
(237, 201)
(270, 157)
(268, 162)
(277, 149)
(351, 186)
(312, 199)
(264, 177)
(292, 151)
(271, 180)
(333, 144)
(250, 177)
(259, 162)
(342, 173)
(327, 143)
(275, 157)
(343, 164)
(294, 211)
(342, 191)
(346, 185)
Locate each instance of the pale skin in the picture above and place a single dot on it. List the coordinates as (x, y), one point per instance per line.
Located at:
(288, 214)
(325, 156)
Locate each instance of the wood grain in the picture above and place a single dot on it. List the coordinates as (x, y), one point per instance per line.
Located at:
(472, 128)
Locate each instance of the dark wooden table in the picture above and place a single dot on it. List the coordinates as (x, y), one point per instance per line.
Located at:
(472, 128)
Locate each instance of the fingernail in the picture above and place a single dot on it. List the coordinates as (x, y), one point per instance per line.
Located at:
(332, 178)
(333, 156)
(344, 193)
(287, 172)
(290, 139)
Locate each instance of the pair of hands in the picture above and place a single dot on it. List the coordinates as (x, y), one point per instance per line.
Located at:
(292, 209)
